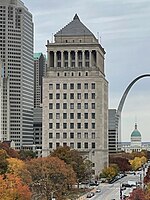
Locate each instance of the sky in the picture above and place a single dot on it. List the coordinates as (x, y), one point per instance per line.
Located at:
(123, 29)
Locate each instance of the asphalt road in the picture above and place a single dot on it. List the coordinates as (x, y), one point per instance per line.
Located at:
(112, 191)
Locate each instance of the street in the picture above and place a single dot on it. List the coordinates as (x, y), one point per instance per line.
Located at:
(112, 191)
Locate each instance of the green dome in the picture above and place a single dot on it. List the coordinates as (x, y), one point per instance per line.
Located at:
(135, 133)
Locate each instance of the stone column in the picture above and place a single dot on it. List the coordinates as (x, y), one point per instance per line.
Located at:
(69, 59)
(55, 59)
(62, 59)
(83, 58)
(48, 59)
(76, 58)
(90, 58)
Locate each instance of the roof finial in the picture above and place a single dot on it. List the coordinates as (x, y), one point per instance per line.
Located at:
(76, 17)
(135, 125)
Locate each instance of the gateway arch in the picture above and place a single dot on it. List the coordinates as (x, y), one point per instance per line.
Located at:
(120, 107)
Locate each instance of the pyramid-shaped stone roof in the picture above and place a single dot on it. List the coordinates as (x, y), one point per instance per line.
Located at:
(74, 28)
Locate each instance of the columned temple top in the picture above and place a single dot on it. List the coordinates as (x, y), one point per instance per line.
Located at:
(75, 47)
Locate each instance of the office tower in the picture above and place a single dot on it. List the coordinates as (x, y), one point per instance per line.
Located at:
(112, 131)
(16, 49)
(75, 95)
(1, 98)
(39, 72)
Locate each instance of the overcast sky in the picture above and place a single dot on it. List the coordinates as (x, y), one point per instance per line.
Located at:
(123, 27)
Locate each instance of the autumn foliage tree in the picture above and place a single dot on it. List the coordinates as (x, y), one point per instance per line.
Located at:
(19, 168)
(10, 152)
(11, 188)
(122, 163)
(50, 175)
(109, 172)
(3, 161)
(137, 194)
(73, 158)
(137, 162)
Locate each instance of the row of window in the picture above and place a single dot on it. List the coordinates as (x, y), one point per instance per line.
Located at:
(79, 145)
(71, 125)
(71, 106)
(72, 86)
(72, 95)
(71, 115)
(72, 135)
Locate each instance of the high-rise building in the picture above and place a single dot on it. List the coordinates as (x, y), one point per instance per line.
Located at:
(16, 50)
(75, 95)
(1, 98)
(39, 72)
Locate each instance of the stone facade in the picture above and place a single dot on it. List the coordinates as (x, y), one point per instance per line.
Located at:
(75, 95)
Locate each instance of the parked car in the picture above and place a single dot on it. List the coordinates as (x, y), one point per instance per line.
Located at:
(98, 190)
(90, 194)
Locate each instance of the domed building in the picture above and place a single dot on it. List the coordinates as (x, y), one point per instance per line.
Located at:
(136, 142)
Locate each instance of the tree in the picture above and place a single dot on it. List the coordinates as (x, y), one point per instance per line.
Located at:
(3, 161)
(50, 175)
(122, 163)
(12, 188)
(18, 168)
(73, 158)
(10, 152)
(109, 172)
(137, 162)
(137, 194)
(26, 155)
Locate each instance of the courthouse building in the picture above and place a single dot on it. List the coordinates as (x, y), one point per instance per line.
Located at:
(75, 95)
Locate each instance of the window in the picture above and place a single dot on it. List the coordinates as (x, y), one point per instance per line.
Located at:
(86, 106)
(93, 105)
(50, 96)
(93, 116)
(78, 125)
(85, 85)
(57, 144)
(86, 74)
(86, 145)
(57, 86)
(93, 86)
(64, 86)
(79, 135)
(64, 144)
(64, 96)
(57, 96)
(57, 105)
(50, 135)
(79, 145)
(64, 115)
(50, 115)
(93, 135)
(72, 96)
(64, 135)
(64, 105)
(71, 135)
(71, 125)
(86, 135)
(78, 85)
(78, 95)
(57, 115)
(72, 106)
(50, 86)
(50, 125)
(50, 106)
(85, 95)
(93, 145)
(57, 125)
(78, 115)
(71, 86)
(78, 105)
(71, 115)
(50, 145)
(93, 125)
(86, 125)
(64, 125)
(85, 115)
(72, 145)
(57, 135)
(93, 96)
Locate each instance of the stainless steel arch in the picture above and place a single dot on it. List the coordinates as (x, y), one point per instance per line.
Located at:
(120, 106)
